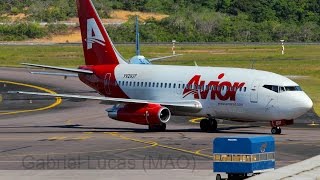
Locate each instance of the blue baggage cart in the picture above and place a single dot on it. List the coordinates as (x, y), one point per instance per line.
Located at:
(243, 156)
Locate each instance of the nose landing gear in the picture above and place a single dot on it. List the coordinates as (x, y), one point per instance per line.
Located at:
(277, 123)
(208, 124)
(276, 130)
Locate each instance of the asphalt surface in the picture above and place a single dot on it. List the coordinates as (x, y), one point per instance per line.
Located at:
(49, 133)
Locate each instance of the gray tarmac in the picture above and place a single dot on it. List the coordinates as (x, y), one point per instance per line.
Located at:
(41, 133)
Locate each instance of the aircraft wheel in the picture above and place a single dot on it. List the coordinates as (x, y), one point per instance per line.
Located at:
(158, 128)
(276, 130)
(213, 125)
(204, 125)
(162, 127)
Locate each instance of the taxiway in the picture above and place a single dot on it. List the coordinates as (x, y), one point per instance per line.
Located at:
(50, 133)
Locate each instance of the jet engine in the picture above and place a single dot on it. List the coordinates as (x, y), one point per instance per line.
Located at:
(145, 114)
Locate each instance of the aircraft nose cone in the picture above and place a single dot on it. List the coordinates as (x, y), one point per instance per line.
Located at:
(304, 104)
(308, 104)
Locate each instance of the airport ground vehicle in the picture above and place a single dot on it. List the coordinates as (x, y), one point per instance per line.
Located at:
(243, 156)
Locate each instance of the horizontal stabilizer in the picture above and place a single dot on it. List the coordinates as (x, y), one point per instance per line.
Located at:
(55, 74)
(165, 57)
(59, 68)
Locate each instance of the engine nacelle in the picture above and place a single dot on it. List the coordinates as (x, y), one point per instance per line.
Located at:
(144, 114)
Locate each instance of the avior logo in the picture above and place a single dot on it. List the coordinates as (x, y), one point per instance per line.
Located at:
(219, 90)
(93, 34)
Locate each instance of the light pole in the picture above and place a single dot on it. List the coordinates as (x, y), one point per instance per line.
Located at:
(282, 43)
(173, 47)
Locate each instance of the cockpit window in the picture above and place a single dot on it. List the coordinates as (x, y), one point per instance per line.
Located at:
(272, 88)
(279, 89)
(293, 88)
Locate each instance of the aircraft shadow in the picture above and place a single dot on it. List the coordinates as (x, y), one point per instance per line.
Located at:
(79, 128)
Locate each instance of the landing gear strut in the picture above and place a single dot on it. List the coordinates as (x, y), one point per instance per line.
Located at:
(158, 128)
(276, 130)
(277, 123)
(208, 124)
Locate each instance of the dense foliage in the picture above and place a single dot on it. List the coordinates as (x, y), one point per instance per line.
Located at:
(194, 20)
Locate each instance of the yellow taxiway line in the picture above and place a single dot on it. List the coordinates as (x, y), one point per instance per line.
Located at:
(195, 120)
(56, 103)
(197, 153)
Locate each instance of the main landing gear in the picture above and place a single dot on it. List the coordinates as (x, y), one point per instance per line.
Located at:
(158, 128)
(208, 124)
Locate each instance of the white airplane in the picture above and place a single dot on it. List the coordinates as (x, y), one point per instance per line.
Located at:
(140, 59)
(150, 94)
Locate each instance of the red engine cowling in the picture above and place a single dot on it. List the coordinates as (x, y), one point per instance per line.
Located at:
(144, 114)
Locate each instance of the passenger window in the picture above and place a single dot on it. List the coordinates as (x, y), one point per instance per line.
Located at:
(122, 83)
(179, 86)
(134, 84)
(165, 85)
(169, 85)
(130, 84)
(245, 89)
(145, 84)
(240, 89)
(153, 84)
(183, 86)
(126, 83)
(149, 84)
(174, 85)
(157, 84)
(161, 85)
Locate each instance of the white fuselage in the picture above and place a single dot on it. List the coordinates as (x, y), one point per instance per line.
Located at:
(209, 85)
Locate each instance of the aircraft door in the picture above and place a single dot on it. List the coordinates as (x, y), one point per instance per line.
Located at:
(254, 95)
(107, 83)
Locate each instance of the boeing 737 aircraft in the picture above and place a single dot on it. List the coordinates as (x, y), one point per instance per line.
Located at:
(150, 94)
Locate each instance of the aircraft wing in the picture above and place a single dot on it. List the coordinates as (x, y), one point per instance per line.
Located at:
(186, 105)
(165, 57)
(59, 68)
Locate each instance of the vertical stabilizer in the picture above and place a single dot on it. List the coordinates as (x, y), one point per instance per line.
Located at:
(137, 37)
(97, 45)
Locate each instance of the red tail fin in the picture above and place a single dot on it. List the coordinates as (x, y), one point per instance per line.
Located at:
(97, 45)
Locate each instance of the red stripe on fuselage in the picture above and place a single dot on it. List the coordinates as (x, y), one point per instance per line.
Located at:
(103, 80)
